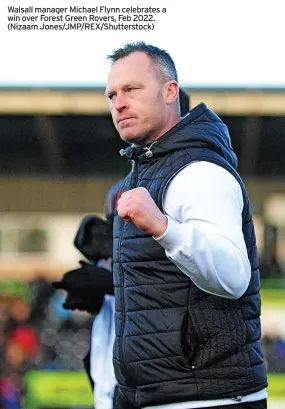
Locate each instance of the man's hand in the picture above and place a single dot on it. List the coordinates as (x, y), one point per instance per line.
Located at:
(137, 205)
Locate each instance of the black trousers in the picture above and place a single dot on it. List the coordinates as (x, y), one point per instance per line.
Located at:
(119, 403)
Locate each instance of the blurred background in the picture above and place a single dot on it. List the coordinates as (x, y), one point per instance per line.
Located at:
(59, 154)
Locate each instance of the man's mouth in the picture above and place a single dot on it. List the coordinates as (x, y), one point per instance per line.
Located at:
(124, 120)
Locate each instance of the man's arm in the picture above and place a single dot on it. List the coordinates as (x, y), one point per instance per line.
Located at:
(203, 204)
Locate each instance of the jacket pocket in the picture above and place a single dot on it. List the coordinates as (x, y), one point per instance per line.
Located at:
(188, 342)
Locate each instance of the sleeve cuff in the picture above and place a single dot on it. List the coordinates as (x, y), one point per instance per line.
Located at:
(171, 238)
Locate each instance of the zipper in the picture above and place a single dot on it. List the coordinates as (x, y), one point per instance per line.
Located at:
(122, 347)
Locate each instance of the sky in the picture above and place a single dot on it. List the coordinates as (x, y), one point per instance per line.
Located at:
(213, 43)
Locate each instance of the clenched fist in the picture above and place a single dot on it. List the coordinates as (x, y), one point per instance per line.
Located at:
(137, 205)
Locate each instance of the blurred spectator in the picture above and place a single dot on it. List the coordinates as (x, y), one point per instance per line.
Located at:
(21, 348)
(42, 292)
(19, 314)
(270, 266)
(20, 351)
(269, 263)
(10, 393)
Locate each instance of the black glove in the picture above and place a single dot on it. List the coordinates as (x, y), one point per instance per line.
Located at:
(86, 287)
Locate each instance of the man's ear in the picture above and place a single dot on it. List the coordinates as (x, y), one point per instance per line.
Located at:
(171, 91)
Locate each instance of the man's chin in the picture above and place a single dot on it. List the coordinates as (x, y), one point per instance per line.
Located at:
(129, 137)
(132, 137)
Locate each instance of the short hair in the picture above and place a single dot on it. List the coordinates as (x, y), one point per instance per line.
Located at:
(160, 58)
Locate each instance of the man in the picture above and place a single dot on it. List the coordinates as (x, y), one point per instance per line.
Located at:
(185, 262)
(90, 288)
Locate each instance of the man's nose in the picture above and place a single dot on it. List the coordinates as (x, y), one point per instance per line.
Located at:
(120, 103)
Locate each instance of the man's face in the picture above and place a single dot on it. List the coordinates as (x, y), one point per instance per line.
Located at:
(137, 103)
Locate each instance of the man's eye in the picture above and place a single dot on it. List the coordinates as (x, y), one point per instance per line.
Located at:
(130, 89)
(111, 96)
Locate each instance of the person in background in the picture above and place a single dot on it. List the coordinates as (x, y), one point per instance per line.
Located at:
(187, 285)
(20, 349)
(90, 288)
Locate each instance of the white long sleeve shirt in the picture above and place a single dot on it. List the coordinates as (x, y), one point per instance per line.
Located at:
(204, 237)
(203, 204)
